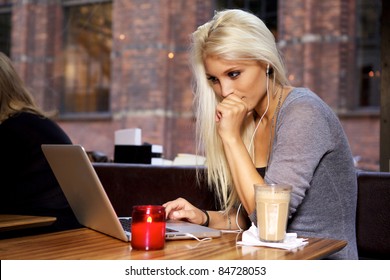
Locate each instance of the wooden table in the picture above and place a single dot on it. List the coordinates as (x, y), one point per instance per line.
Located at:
(17, 222)
(91, 245)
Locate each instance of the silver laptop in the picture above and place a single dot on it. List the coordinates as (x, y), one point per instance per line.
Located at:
(90, 203)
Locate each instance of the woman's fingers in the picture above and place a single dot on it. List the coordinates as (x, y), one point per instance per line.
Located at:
(181, 209)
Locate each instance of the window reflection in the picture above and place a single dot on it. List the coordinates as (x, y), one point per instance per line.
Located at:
(368, 48)
(264, 9)
(87, 71)
(5, 27)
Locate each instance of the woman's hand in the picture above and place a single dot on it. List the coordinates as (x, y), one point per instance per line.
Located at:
(181, 209)
(230, 115)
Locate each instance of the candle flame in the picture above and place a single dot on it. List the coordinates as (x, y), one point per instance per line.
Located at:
(149, 219)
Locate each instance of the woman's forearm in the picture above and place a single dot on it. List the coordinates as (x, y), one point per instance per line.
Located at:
(244, 174)
(227, 221)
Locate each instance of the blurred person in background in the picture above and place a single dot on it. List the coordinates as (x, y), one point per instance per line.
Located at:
(27, 183)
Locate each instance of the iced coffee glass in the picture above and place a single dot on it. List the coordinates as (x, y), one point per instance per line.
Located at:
(272, 202)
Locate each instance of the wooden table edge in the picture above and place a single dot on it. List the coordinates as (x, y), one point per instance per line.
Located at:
(17, 222)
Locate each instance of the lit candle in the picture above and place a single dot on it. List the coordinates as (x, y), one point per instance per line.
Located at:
(148, 227)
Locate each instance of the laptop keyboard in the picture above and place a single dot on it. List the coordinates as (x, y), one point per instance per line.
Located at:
(126, 225)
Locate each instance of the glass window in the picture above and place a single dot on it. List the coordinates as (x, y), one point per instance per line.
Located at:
(87, 71)
(5, 27)
(266, 10)
(368, 52)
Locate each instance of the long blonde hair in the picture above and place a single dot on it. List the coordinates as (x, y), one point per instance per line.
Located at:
(14, 96)
(230, 35)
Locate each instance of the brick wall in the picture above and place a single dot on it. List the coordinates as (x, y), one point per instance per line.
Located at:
(148, 89)
(364, 134)
(317, 39)
(151, 91)
(313, 36)
(35, 43)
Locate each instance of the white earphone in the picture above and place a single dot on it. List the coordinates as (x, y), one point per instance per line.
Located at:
(266, 109)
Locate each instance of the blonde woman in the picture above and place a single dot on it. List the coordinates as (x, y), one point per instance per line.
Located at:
(28, 185)
(255, 128)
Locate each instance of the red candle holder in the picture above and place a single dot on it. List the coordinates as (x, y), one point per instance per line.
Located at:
(148, 227)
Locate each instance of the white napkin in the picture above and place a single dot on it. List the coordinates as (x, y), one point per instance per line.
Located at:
(250, 237)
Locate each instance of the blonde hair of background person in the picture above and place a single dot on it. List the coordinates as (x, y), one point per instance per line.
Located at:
(216, 39)
(14, 96)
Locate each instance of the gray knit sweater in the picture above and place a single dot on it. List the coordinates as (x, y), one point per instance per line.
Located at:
(311, 152)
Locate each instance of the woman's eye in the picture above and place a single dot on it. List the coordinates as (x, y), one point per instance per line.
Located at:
(212, 79)
(234, 74)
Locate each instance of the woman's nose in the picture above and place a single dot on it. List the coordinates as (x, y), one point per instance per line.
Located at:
(226, 89)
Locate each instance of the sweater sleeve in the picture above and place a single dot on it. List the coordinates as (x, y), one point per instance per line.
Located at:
(302, 138)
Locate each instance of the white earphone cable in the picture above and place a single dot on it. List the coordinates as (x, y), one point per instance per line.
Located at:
(257, 126)
(238, 212)
(198, 239)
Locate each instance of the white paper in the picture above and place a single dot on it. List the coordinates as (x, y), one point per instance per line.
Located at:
(250, 237)
(157, 149)
(129, 136)
(189, 159)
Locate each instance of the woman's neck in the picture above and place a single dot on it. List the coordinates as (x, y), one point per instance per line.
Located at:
(274, 93)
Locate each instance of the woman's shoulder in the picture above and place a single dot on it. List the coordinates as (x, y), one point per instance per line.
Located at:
(23, 115)
(301, 97)
(23, 123)
(304, 104)
(23, 119)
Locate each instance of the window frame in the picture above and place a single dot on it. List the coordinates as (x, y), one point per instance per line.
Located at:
(6, 9)
(64, 113)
